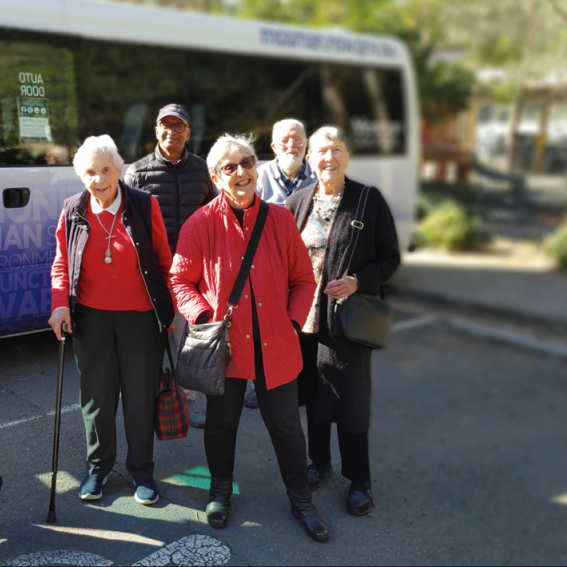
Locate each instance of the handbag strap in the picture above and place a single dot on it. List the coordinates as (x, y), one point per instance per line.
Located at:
(169, 355)
(248, 257)
(357, 226)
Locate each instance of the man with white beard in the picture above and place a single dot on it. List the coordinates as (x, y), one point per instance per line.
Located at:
(289, 171)
(279, 178)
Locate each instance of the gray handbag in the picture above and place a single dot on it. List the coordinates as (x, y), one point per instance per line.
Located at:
(361, 318)
(205, 352)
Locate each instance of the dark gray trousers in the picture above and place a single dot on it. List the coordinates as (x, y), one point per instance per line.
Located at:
(118, 352)
(280, 413)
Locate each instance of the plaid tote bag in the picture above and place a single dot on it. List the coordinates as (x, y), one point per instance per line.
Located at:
(172, 414)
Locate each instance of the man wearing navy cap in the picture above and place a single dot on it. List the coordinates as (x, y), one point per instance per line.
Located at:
(181, 183)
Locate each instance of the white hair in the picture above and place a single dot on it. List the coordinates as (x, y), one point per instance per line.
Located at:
(226, 145)
(287, 123)
(329, 133)
(96, 145)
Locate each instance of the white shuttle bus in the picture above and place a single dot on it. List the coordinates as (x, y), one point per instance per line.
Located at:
(75, 68)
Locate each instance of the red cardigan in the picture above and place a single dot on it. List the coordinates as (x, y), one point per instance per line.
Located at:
(209, 255)
(110, 287)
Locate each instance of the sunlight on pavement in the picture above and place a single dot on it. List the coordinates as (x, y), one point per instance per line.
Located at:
(103, 534)
(65, 481)
(561, 499)
(197, 477)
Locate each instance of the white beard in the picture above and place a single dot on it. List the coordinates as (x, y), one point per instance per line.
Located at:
(290, 163)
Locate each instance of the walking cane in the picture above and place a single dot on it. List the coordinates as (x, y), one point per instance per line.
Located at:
(51, 518)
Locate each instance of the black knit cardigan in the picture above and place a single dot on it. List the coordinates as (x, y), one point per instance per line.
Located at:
(375, 259)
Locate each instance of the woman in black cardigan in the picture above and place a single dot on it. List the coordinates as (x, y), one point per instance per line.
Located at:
(335, 383)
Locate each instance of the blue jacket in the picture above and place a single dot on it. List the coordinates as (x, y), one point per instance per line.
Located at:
(271, 187)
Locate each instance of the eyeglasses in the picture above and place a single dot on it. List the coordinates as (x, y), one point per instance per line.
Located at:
(296, 142)
(231, 168)
(179, 127)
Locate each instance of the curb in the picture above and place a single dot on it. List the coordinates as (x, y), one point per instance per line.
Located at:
(471, 307)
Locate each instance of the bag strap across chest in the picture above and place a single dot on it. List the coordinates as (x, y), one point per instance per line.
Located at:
(248, 258)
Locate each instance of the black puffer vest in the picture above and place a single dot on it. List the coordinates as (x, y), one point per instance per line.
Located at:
(137, 219)
(181, 189)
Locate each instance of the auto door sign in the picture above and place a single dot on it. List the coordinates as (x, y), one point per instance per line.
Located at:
(33, 116)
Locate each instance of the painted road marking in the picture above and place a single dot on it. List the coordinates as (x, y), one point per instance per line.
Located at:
(191, 550)
(79, 558)
(510, 337)
(414, 323)
(66, 409)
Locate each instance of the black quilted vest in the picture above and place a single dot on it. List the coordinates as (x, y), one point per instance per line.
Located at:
(137, 219)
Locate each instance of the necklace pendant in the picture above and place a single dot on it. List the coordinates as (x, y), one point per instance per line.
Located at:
(108, 253)
(108, 260)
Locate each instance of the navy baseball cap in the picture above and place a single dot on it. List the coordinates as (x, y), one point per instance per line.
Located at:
(174, 110)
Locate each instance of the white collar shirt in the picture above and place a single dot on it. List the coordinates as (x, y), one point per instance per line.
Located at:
(113, 209)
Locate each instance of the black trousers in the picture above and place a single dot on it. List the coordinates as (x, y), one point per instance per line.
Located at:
(353, 446)
(118, 352)
(280, 412)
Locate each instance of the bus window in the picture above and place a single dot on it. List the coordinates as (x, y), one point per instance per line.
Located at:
(38, 101)
(127, 85)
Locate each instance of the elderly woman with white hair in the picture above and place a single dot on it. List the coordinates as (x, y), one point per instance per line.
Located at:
(335, 383)
(264, 334)
(110, 287)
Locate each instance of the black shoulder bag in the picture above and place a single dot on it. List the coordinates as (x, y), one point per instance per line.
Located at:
(205, 352)
(361, 318)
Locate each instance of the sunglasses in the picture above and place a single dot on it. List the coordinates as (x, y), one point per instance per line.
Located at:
(231, 168)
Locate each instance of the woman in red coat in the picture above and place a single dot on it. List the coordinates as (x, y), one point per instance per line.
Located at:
(264, 333)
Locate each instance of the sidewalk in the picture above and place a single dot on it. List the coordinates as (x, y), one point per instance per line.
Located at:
(514, 283)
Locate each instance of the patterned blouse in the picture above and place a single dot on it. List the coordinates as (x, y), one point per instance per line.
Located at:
(315, 236)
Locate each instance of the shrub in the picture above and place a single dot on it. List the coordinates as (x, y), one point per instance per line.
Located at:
(556, 246)
(453, 227)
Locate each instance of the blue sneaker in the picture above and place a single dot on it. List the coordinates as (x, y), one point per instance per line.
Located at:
(146, 492)
(91, 487)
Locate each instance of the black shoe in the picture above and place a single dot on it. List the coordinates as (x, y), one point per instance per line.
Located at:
(359, 500)
(219, 502)
(251, 400)
(304, 510)
(316, 475)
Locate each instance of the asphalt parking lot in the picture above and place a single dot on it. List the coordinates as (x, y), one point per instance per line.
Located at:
(468, 457)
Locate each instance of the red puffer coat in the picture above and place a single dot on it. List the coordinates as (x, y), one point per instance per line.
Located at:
(209, 254)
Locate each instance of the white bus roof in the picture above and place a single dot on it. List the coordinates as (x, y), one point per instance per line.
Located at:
(98, 19)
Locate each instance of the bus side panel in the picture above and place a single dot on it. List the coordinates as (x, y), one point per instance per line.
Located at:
(27, 246)
(397, 180)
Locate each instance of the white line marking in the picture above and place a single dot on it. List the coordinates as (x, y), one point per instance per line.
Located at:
(516, 339)
(414, 323)
(66, 409)
(79, 558)
(190, 550)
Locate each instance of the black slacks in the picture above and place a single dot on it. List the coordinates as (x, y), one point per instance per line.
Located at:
(353, 446)
(280, 412)
(118, 352)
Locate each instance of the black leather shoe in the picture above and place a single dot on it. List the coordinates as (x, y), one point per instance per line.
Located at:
(304, 510)
(316, 476)
(359, 500)
(251, 400)
(219, 502)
